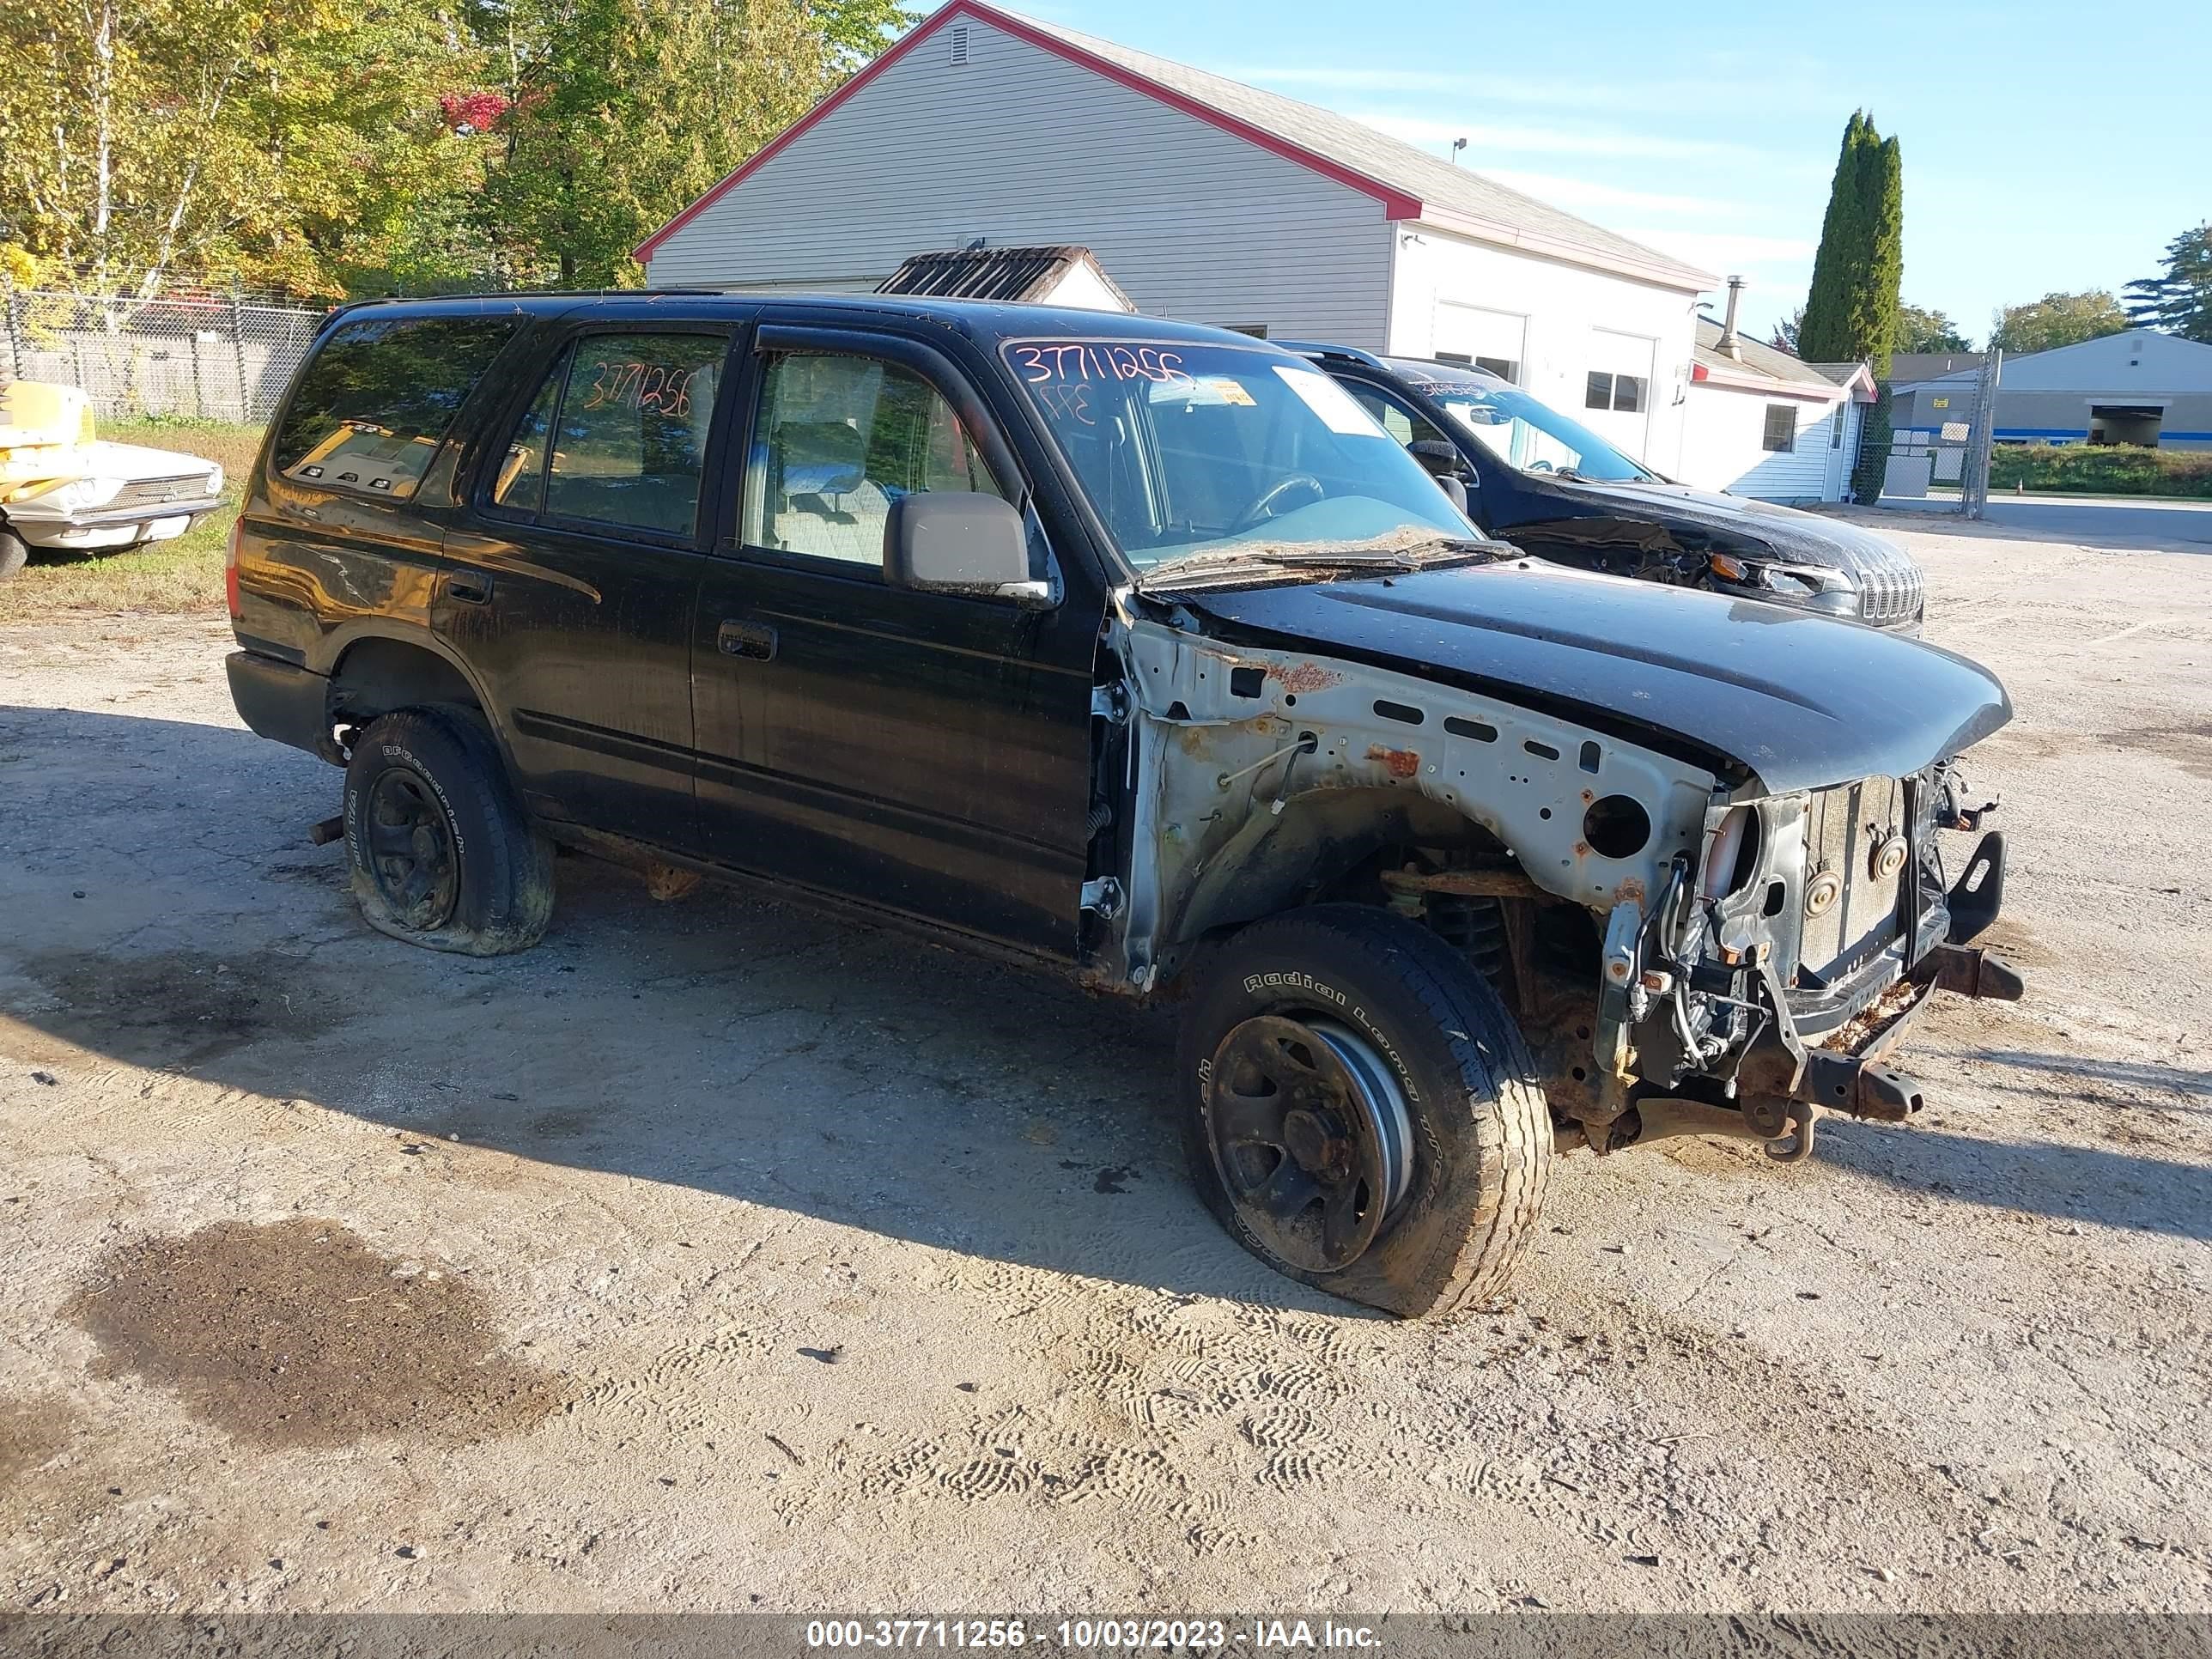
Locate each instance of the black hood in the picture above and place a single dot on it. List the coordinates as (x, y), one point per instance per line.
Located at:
(1740, 524)
(1798, 701)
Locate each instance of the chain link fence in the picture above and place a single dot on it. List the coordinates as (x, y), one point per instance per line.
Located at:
(215, 354)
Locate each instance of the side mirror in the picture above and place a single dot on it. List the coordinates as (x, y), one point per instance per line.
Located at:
(944, 541)
(1455, 491)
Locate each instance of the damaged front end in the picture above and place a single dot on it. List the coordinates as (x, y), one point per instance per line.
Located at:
(1688, 950)
(1792, 959)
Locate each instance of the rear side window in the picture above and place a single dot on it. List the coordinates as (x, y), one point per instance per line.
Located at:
(380, 396)
(617, 434)
(520, 485)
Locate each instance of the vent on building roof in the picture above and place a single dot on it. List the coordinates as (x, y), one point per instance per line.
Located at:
(959, 43)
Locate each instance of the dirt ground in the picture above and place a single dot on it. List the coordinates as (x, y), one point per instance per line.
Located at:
(716, 1254)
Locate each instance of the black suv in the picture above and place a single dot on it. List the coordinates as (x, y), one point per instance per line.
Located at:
(1554, 488)
(1135, 649)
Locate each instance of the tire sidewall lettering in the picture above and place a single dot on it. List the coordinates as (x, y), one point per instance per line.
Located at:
(1260, 985)
(399, 755)
(392, 751)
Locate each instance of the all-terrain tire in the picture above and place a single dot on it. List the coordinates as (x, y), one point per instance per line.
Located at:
(15, 553)
(1481, 1132)
(503, 895)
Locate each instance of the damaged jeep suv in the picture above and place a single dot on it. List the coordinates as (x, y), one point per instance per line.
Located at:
(1138, 650)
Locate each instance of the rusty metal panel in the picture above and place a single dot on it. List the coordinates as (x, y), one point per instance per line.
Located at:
(1846, 828)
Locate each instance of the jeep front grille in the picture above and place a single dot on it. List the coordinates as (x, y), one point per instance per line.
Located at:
(1891, 595)
(1844, 830)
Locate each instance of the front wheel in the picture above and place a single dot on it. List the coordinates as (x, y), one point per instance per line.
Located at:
(442, 854)
(15, 553)
(1362, 1114)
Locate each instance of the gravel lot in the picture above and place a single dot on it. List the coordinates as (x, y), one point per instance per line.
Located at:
(716, 1254)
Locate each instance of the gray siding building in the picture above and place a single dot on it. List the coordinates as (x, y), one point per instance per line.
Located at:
(2140, 387)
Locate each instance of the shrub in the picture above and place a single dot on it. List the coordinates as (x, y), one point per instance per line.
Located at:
(2102, 470)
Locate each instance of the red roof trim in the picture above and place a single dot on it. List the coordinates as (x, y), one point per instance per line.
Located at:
(1396, 205)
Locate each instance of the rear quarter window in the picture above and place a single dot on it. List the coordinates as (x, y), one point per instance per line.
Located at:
(378, 397)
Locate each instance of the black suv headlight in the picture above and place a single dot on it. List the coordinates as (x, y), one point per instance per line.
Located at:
(1808, 586)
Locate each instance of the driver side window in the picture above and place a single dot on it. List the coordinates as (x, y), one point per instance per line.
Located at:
(1407, 427)
(838, 440)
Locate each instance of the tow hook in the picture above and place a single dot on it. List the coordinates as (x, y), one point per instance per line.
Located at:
(1786, 1127)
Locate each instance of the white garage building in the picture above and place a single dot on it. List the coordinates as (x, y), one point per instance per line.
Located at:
(1205, 200)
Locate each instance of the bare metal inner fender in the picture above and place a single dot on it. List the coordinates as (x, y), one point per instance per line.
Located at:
(1252, 770)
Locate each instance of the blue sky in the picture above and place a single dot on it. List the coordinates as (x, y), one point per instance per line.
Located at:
(2046, 146)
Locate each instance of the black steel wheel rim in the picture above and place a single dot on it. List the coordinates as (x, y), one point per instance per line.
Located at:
(1310, 1136)
(412, 853)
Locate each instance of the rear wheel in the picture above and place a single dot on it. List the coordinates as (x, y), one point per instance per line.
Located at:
(1363, 1115)
(15, 552)
(442, 854)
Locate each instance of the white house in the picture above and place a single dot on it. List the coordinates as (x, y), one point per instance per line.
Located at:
(1207, 200)
(1762, 424)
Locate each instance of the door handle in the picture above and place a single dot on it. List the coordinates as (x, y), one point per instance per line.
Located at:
(752, 640)
(470, 590)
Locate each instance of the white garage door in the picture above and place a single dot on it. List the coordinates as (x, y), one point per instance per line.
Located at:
(1495, 340)
(1617, 391)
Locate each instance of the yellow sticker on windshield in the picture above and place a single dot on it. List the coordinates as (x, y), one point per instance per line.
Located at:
(1233, 391)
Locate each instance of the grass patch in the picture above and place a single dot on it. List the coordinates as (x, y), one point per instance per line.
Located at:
(179, 576)
(2102, 470)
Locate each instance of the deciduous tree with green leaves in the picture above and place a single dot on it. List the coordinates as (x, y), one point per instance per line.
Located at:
(2178, 299)
(1921, 330)
(620, 113)
(367, 146)
(2058, 320)
(1851, 309)
(244, 138)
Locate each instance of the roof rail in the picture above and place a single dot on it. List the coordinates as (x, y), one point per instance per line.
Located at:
(346, 306)
(1315, 349)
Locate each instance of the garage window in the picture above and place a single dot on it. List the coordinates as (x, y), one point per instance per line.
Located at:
(1503, 367)
(1781, 435)
(1623, 392)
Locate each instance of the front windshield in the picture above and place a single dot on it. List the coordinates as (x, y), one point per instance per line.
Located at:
(1526, 435)
(1188, 449)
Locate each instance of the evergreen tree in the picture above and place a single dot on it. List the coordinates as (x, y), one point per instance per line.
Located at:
(1841, 259)
(2178, 299)
(1851, 310)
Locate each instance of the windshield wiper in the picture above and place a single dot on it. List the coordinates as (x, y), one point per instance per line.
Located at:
(1399, 552)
